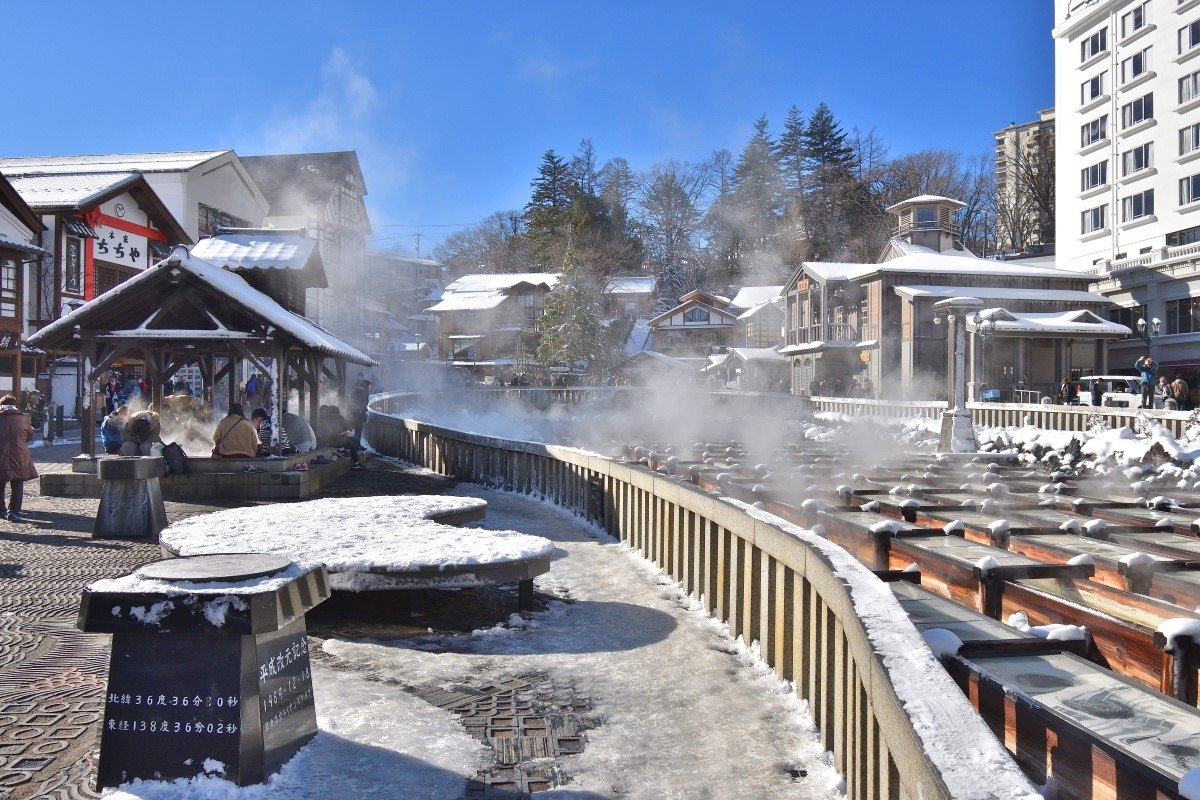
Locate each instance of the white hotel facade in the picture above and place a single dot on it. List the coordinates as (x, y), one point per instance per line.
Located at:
(1127, 96)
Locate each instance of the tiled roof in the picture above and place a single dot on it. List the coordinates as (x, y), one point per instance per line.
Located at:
(68, 190)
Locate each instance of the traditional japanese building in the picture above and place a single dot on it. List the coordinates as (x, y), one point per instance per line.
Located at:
(874, 324)
(19, 258)
(323, 193)
(699, 326)
(490, 324)
(629, 297)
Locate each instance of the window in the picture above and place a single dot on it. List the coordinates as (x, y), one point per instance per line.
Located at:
(1136, 160)
(209, 219)
(1095, 175)
(1137, 206)
(1094, 45)
(1127, 317)
(526, 299)
(1138, 110)
(926, 214)
(1185, 236)
(1189, 139)
(8, 288)
(1189, 87)
(1133, 20)
(1092, 88)
(696, 315)
(1189, 36)
(1095, 219)
(1094, 131)
(1189, 190)
(1135, 65)
(1183, 316)
(73, 266)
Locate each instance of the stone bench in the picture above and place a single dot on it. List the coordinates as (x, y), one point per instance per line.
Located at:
(375, 543)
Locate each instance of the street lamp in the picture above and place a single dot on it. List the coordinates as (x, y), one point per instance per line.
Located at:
(1149, 332)
(958, 434)
(985, 329)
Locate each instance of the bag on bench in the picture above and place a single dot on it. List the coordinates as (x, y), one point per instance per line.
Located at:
(177, 460)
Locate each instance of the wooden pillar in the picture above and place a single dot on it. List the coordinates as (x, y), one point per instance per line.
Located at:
(314, 389)
(278, 402)
(234, 377)
(87, 422)
(341, 382)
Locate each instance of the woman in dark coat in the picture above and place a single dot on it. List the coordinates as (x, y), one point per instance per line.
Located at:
(16, 465)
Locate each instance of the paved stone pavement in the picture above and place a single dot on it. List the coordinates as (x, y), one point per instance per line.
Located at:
(52, 676)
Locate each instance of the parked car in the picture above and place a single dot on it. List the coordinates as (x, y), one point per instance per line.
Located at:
(1120, 391)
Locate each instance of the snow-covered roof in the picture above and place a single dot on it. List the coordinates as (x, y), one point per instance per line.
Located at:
(175, 161)
(696, 303)
(925, 199)
(489, 282)
(1077, 322)
(229, 284)
(254, 248)
(750, 296)
(925, 260)
(469, 301)
(756, 354)
(1003, 293)
(659, 358)
(74, 190)
(756, 310)
(17, 244)
(638, 284)
(639, 335)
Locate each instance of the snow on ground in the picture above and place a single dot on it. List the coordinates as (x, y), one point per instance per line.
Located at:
(685, 712)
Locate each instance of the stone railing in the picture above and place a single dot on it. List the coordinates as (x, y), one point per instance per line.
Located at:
(897, 726)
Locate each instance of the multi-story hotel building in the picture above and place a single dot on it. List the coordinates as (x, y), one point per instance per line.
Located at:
(1025, 186)
(1127, 94)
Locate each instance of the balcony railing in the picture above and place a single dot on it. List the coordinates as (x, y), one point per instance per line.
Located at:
(833, 332)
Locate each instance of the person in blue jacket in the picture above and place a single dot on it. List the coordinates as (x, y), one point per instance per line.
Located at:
(1147, 367)
(111, 429)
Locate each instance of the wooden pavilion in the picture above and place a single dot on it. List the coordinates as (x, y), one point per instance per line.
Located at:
(184, 311)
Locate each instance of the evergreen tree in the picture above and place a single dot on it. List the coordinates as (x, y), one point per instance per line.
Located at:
(829, 182)
(546, 212)
(572, 334)
(790, 154)
(756, 198)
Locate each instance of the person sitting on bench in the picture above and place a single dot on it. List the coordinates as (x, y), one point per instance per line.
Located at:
(235, 436)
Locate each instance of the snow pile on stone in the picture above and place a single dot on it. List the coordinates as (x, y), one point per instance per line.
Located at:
(358, 534)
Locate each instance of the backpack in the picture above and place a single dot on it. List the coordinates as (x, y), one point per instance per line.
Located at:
(177, 460)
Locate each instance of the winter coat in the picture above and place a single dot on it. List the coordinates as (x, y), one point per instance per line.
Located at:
(1147, 371)
(235, 437)
(15, 435)
(111, 428)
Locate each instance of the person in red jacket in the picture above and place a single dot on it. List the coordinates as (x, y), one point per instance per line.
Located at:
(16, 465)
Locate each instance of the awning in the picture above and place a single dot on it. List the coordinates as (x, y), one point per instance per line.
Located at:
(74, 226)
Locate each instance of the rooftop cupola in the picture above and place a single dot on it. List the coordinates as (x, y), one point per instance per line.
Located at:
(927, 221)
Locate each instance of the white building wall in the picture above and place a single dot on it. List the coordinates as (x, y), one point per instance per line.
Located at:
(220, 183)
(1158, 38)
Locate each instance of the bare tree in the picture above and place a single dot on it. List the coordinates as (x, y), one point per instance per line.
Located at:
(496, 244)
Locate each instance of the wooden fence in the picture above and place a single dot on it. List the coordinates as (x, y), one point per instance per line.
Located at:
(793, 596)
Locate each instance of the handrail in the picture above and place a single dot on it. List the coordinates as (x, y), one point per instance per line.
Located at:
(896, 724)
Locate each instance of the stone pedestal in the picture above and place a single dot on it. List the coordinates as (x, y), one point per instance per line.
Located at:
(131, 504)
(209, 671)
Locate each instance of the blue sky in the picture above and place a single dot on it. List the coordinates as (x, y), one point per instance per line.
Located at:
(450, 105)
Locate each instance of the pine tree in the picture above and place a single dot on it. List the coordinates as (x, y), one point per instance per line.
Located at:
(829, 181)
(546, 212)
(790, 154)
(756, 198)
(571, 331)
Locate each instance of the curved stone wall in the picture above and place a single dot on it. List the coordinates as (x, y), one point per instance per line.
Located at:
(896, 724)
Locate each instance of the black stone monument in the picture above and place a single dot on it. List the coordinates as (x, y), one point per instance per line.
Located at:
(205, 678)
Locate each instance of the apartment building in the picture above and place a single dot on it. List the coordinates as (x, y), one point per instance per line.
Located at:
(1025, 186)
(1127, 92)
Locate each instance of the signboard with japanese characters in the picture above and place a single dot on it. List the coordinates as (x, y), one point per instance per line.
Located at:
(119, 247)
(123, 233)
(285, 693)
(167, 710)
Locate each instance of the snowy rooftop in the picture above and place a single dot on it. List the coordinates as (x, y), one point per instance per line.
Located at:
(750, 296)
(925, 199)
(1002, 293)
(109, 162)
(639, 284)
(252, 248)
(756, 354)
(487, 282)
(227, 283)
(756, 310)
(931, 261)
(1057, 322)
(469, 301)
(74, 190)
(639, 337)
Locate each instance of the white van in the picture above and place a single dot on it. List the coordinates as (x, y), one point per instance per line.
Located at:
(1120, 391)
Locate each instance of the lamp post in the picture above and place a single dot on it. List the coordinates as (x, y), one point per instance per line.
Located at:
(73, 306)
(985, 329)
(1149, 332)
(958, 433)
